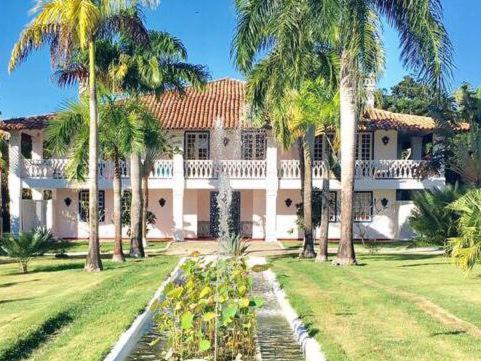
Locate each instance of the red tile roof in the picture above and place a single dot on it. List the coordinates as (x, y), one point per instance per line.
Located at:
(198, 109)
(34, 122)
(225, 99)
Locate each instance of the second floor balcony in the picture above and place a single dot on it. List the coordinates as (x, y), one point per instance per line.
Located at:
(288, 171)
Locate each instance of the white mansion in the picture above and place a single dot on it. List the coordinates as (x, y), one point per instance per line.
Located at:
(265, 178)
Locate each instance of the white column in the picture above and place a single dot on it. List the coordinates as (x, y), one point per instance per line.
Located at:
(178, 196)
(49, 222)
(272, 185)
(15, 182)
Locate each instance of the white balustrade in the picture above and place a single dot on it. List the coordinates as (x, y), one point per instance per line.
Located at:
(236, 169)
(290, 169)
(163, 168)
(388, 169)
(318, 169)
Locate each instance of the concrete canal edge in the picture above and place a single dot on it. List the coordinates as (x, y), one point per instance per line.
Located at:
(129, 339)
(310, 347)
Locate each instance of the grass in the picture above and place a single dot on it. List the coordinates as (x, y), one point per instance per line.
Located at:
(391, 307)
(106, 246)
(59, 312)
(369, 247)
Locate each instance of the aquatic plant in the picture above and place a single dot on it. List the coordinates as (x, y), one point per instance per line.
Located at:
(194, 314)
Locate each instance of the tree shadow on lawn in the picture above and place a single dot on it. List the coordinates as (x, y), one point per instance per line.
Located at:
(10, 284)
(25, 346)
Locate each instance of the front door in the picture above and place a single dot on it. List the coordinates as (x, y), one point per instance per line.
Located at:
(234, 219)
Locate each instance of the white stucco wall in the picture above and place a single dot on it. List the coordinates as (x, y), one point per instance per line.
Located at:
(258, 213)
(385, 151)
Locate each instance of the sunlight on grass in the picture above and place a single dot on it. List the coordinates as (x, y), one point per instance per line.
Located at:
(391, 307)
(59, 312)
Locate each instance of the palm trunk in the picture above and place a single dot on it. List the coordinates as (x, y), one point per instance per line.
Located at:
(118, 255)
(93, 262)
(322, 256)
(308, 247)
(145, 207)
(349, 122)
(136, 246)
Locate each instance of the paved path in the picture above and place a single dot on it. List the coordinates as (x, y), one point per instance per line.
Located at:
(256, 248)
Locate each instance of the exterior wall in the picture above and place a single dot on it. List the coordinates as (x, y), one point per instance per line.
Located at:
(256, 202)
(286, 216)
(190, 213)
(385, 151)
(67, 225)
(258, 214)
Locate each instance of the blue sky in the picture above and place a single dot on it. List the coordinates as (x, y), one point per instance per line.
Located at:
(206, 28)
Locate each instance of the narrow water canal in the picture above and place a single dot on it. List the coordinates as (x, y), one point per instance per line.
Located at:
(275, 338)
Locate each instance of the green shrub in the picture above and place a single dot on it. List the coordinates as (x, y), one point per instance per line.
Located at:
(27, 245)
(466, 249)
(212, 296)
(432, 220)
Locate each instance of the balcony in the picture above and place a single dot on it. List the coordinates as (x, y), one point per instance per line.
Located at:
(56, 169)
(373, 169)
(235, 169)
(244, 174)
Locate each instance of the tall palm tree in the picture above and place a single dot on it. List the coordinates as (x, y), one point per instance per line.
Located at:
(290, 56)
(129, 67)
(120, 131)
(140, 70)
(69, 25)
(352, 28)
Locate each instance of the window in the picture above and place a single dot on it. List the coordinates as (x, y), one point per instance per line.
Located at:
(362, 207)
(253, 144)
(83, 206)
(318, 146)
(332, 204)
(26, 145)
(196, 145)
(364, 146)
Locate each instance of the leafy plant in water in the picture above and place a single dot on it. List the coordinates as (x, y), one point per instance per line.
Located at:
(192, 309)
(27, 245)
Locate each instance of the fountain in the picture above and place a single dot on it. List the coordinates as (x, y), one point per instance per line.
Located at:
(272, 336)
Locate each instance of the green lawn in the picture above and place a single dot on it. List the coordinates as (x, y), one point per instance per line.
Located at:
(107, 246)
(59, 312)
(369, 247)
(391, 307)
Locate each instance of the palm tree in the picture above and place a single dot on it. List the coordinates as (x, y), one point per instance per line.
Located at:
(120, 131)
(295, 58)
(352, 29)
(141, 70)
(69, 25)
(127, 66)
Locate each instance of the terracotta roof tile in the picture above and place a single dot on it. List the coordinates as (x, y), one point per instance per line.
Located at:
(225, 99)
(34, 122)
(197, 109)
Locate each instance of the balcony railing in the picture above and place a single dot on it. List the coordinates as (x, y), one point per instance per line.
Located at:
(376, 169)
(235, 169)
(56, 169)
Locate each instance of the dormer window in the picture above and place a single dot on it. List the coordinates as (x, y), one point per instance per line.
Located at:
(253, 144)
(197, 145)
